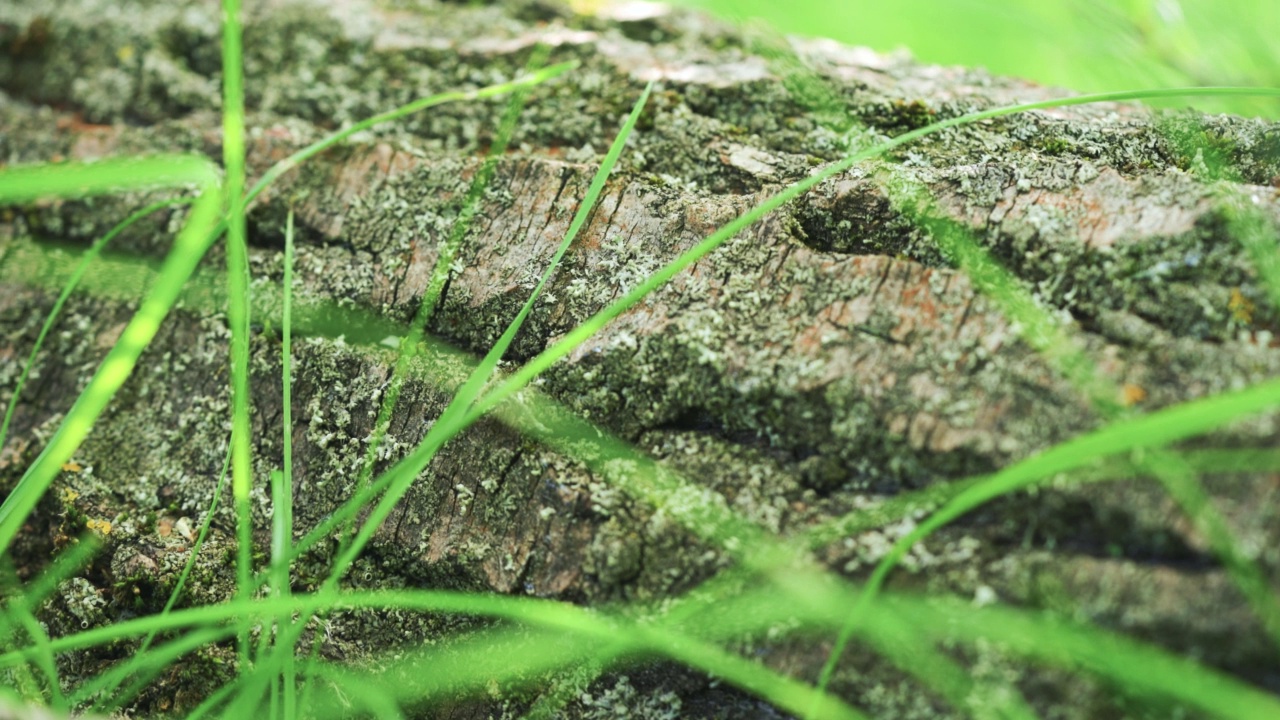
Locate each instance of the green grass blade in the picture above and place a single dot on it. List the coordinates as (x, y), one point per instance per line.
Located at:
(440, 274)
(284, 166)
(141, 657)
(484, 371)
(1051, 340)
(24, 183)
(282, 487)
(283, 505)
(233, 149)
(283, 658)
(1155, 430)
(43, 657)
(142, 668)
(592, 325)
(447, 424)
(1033, 634)
(189, 247)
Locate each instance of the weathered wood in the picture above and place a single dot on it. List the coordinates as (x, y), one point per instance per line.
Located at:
(826, 359)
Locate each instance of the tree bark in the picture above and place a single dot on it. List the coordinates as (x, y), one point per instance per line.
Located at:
(826, 359)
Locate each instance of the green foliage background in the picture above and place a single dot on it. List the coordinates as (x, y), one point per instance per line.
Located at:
(1083, 45)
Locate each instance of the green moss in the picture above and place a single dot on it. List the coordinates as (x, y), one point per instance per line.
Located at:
(1054, 146)
(1205, 151)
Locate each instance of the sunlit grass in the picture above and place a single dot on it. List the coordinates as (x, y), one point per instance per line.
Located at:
(534, 637)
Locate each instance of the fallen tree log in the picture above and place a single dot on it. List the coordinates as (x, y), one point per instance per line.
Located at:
(826, 360)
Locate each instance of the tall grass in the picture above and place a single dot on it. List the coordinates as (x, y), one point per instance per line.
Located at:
(775, 580)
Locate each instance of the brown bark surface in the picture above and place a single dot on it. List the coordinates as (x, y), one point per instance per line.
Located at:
(828, 358)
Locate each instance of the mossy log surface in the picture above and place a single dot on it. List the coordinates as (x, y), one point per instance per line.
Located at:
(826, 359)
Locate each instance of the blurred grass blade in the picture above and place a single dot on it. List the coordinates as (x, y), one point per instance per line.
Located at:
(1155, 430)
(23, 183)
(142, 668)
(1144, 668)
(238, 301)
(1063, 351)
(85, 261)
(282, 487)
(189, 247)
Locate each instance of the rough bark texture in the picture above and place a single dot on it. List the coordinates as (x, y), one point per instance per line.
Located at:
(826, 359)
